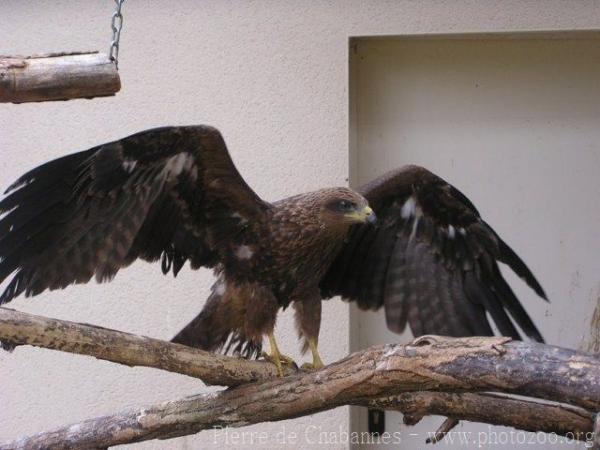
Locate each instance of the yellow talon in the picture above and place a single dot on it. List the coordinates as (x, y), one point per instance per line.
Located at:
(317, 362)
(276, 357)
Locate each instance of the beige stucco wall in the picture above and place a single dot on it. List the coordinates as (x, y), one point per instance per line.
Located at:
(273, 76)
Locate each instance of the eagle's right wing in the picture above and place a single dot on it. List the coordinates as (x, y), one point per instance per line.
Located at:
(431, 262)
(169, 193)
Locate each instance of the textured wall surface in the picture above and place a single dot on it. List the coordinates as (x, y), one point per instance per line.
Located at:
(273, 76)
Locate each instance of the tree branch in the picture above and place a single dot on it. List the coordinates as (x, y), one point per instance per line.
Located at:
(431, 363)
(493, 409)
(565, 420)
(18, 328)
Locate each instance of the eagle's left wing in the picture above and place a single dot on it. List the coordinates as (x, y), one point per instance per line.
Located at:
(431, 261)
(170, 193)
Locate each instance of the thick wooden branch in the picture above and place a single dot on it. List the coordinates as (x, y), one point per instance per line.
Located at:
(57, 76)
(434, 363)
(575, 423)
(20, 328)
(494, 409)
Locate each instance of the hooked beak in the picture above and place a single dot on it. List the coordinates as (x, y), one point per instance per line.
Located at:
(370, 216)
(366, 215)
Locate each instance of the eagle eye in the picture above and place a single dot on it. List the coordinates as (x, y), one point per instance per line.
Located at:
(345, 205)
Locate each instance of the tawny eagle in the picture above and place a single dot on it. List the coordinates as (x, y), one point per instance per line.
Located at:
(173, 194)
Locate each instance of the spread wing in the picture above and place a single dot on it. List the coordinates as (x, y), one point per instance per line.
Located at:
(169, 193)
(431, 261)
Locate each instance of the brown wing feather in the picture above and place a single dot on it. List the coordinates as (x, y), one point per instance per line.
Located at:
(432, 262)
(170, 193)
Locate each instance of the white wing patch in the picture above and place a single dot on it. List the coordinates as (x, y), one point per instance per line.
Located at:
(129, 165)
(243, 252)
(409, 208)
(413, 232)
(451, 232)
(177, 164)
(220, 287)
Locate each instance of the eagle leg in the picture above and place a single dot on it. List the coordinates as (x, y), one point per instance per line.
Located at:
(276, 357)
(317, 361)
(308, 322)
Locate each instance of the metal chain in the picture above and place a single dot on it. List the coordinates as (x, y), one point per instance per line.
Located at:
(116, 24)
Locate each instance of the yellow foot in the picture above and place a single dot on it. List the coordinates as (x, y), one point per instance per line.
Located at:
(279, 361)
(317, 362)
(276, 357)
(312, 366)
(283, 358)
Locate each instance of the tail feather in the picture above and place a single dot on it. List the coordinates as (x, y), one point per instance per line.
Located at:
(216, 328)
(198, 334)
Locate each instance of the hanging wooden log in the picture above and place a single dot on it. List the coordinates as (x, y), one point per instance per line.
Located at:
(57, 76)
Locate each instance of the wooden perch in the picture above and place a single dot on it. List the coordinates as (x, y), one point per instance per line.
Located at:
(20, 328)
(493, 409)
(57, 76)
(230, 409)
(384, 376)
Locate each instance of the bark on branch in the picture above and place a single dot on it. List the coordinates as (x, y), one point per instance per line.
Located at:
(492, 409)
(368, 377)
(19, 328)
(57, 76)
(206, 411)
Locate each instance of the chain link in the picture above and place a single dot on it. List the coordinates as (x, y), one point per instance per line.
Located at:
(116, 24)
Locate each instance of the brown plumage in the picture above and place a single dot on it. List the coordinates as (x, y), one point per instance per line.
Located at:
(305, 233)
(173, 194)
(431, 262)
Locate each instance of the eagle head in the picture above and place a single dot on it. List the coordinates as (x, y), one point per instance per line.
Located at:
(345, 207)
